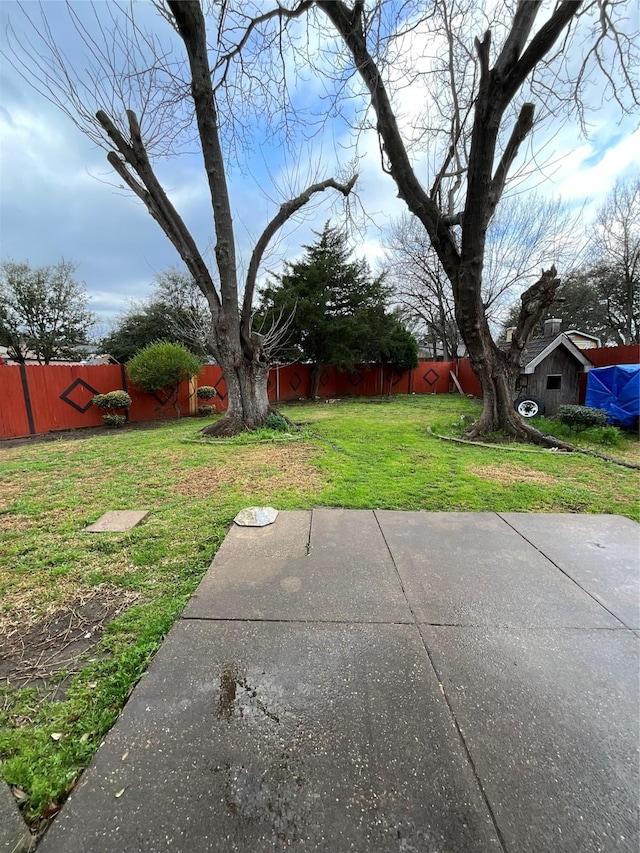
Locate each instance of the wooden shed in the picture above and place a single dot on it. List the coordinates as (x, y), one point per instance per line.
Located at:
(551, 376)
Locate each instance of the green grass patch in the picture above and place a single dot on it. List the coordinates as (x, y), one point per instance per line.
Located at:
(350, 453)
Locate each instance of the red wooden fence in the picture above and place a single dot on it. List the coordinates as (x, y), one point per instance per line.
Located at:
(36, 399)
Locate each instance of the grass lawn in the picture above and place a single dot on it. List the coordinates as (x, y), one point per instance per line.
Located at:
(82, 614)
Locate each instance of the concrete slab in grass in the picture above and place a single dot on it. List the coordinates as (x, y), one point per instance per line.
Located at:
(14, 835)
(473, 569)
(117, 521)
(338, 569)
(550, 718)
(600, 552)
(271, 736)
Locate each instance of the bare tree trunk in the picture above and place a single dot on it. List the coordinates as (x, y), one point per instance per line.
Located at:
(498, 371)
(247, 399)
(316, 375)
(496, 89)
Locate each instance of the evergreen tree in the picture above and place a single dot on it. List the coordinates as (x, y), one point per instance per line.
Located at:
(334, 311)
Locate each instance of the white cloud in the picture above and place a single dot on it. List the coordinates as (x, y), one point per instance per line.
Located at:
(53, 203)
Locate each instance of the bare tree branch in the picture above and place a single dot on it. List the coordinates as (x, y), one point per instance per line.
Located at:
(287, 210)
(156, 200)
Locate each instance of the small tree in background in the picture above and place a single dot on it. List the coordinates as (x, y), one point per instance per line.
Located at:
(176, 311)
(335, 311)
(43, 311)
(616, 259)
(162, 367)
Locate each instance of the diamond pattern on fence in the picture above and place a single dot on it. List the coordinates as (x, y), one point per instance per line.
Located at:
(324, 378)
(163, 399)
(393, 377)
(431, 376)
(222, 395)
(295, 382)
(356, 378)
(79, 389)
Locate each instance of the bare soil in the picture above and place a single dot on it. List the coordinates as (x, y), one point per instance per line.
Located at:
(45, 654)
(81, 432)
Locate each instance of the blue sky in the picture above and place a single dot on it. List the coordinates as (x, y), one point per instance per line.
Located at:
(58, 197)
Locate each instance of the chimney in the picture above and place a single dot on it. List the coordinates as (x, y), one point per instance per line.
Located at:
(508, 335)
(552, 327)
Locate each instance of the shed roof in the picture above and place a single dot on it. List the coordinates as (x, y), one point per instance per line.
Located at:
(539, 348)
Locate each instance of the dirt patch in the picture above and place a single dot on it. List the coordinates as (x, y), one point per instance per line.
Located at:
(80, 433)
(510, 473)
(36, 655)
(267, 468)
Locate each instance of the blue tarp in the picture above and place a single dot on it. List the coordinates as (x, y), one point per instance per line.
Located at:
(615, 389)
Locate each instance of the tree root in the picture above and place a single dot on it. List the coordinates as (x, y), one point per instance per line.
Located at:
(524, 433)
(226, 427)
(541, 439)
(229, 426)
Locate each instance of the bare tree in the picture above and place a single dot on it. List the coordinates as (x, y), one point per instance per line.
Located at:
(526, 232)
(487, 78)
(420, 285)
(500, 117)
(134, 97)
(187, 312)
(615, 260)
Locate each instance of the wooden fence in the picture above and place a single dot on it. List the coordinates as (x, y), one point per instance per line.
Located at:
(36, 399)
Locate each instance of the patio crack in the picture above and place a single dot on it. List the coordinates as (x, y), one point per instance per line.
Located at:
(566, 574)
(452, 714)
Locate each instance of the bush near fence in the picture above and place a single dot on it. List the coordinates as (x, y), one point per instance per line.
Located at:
(36, 399)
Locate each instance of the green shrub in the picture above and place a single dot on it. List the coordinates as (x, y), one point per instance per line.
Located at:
(162, 365)
(112, 400)
(276, 422)
(205, 411)
(608, 435)
(206, 392)
(114, 421)
(579, 418)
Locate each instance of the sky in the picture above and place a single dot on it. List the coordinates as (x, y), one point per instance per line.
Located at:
(59, 197)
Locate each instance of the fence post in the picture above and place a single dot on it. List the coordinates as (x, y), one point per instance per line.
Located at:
(27, 399)
(193, 399)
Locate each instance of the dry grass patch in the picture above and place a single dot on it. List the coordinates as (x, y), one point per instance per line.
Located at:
(30, 597)
(11, 490)
(513, 473)
(271, 468)
(10, 523)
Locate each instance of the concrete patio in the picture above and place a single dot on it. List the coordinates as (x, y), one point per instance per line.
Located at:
(385, 681)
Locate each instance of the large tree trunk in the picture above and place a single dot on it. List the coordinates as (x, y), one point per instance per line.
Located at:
(498, 371)
(246, 372)
(497, 380)
(247, 398)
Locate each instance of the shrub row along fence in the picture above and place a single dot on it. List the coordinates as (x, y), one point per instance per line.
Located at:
(36, 399)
